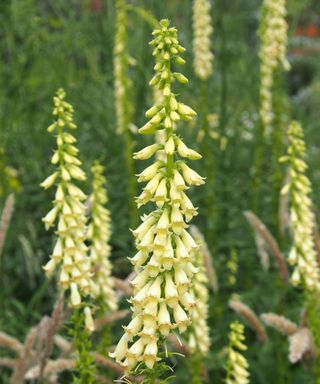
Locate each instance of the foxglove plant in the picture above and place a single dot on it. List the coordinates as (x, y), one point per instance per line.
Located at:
(199, 336)
(121, 64)
(69, 255)
(122, 87)
(302, 255)
(162, 299)
(237, 365)
(202, 30)
(99, 233)
(273, 44)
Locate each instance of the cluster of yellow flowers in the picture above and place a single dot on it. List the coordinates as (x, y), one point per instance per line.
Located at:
(70, 250)
(237, 365)
(202, 29)
(162, 298)
(121, 62)
(302, 255)
(273, 38)
(99, 233)
(199, 337)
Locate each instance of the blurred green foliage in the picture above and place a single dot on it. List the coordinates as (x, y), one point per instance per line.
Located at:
(49, 44)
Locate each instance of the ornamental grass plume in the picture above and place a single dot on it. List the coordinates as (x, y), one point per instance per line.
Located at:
(162, 299)
(237, 365)
(202, 30)
(302, 255)
(69, 255)
(269, 242)
(280, 323)
(247, 313)
(206, 258)
(199, 336)
(273, 44)
(99, 233)
(301, 345)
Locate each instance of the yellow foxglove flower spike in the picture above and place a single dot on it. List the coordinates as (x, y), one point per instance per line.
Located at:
(122, 82)
(273, 45)
(302, 255)
(202, 30)
(237, 365)
(99, 233)
(199, 337)
(68, 212)
(162, 298)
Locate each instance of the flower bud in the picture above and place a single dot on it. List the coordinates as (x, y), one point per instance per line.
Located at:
(89, 323)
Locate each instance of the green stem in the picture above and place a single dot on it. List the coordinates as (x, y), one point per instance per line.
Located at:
(196, 366)
(81, 338)
(313, 318)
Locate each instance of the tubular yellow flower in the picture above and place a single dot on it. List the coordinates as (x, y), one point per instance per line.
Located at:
(237, 365)
(164, 262)
(273, 44)
(70, 251)
(199, 337)
(202, 29)
(99, 233)
(121, 63)
(302, 255)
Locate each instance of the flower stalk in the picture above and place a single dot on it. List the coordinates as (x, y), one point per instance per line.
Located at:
(68, 213)
(162, 299)
(99, 233)
(237, 365)
(302, 255)
(122, 87)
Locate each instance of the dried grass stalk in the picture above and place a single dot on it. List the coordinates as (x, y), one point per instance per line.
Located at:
(111, 318)
(272, 245)
(5, 219)
(53, 366)
(25, 357)
(63, 344)
(280, 323)
(262, 251)
(178, 344)
(207, 258)
(10, 342)
(103, 380)
(7, 362)
(300, 345)
(42, 335)
(123, 286)
(252, 319)
(108, 363)
(99, 359)
(54, 325)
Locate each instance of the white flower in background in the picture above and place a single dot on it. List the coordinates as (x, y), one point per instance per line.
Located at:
(202, 30)
(273, 45)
